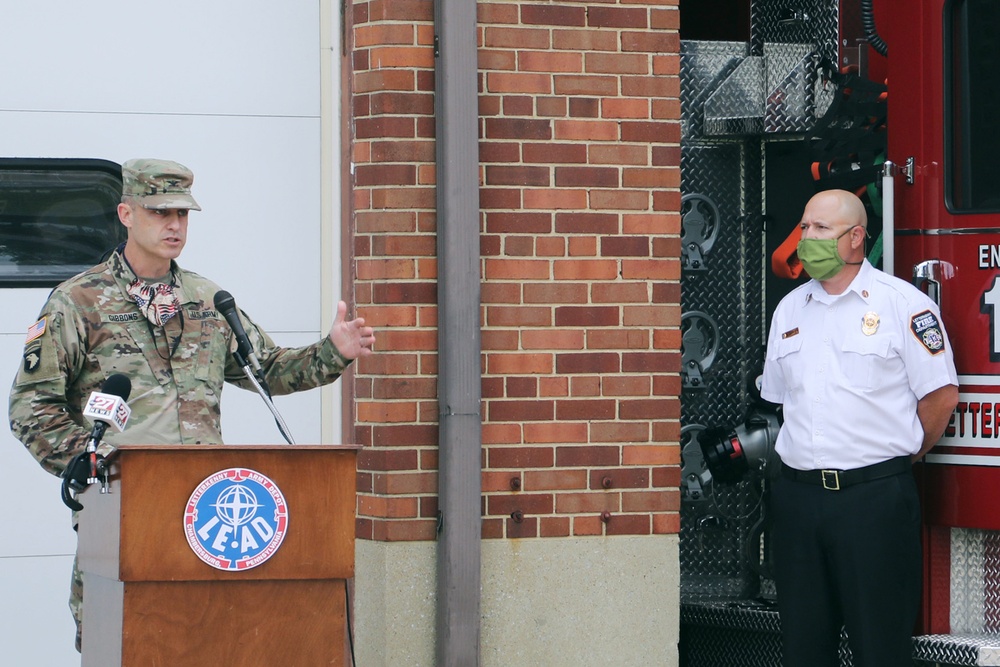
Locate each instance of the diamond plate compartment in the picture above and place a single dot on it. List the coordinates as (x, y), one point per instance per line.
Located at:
(812, 22)
(737, 105)
(716, 532)
(747, 633)
(744, 633)
(798, 95)
(778, 92)
(956, 649)
(704, 66)
(768, 85)
(730, 290)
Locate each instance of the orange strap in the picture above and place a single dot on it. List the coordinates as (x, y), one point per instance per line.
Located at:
(785, 259)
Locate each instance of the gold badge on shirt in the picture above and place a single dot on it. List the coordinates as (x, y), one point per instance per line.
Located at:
(869, 323)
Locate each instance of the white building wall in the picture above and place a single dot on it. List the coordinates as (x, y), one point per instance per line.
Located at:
(232, 89)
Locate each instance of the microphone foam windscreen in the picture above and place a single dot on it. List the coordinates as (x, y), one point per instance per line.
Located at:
(117, 385)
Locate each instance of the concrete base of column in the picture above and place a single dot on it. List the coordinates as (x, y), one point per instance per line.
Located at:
(559, 601)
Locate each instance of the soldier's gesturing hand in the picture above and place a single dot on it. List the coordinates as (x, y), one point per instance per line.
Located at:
(352, 338)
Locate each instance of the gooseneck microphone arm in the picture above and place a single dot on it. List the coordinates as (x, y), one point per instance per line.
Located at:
(266, 395)
(245, 357)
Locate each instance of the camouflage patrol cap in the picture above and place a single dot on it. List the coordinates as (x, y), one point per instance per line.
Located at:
(158, 184)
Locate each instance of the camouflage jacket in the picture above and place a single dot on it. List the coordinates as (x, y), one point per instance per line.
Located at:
(91, 328)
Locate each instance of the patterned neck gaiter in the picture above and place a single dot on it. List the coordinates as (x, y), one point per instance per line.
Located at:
(157, 302)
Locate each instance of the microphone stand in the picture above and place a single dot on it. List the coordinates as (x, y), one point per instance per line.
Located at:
(91, 451)
(98, 471)
(265, 394)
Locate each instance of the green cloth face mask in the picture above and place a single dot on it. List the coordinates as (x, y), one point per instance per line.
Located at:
(820, 258)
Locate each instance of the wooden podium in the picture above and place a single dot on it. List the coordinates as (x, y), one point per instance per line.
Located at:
(149, 599)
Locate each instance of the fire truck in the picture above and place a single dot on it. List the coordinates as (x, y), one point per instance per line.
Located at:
(891, 99)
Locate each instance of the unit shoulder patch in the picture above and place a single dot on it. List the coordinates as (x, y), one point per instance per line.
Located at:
(927, 330)
(32, 358)
(39, 361)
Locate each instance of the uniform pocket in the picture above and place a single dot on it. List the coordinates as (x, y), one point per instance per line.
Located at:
(864, 361)
(129, 350)
(212, 352)
(788, 354)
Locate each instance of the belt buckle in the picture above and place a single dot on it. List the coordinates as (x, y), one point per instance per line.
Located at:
(831, 479)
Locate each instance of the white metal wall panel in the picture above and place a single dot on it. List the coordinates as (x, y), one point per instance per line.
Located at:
(232, 89)
(230, 57)
(257, 180)
(38, 629)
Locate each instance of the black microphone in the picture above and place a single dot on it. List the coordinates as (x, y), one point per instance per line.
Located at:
(106, 407)
(226, 305)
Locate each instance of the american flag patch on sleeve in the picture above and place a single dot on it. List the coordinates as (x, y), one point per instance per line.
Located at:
(36, 330)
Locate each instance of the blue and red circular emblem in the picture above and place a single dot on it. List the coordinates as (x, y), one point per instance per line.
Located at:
(236, 519)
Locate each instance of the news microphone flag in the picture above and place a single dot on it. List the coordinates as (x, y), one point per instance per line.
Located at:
(109, 409)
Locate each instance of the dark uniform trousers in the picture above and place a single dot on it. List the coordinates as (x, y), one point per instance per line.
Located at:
(849, 558)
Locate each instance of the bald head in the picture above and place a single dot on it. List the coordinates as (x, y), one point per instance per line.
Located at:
(838, 208)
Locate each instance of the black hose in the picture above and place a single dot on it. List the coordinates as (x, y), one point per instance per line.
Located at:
(868, 20)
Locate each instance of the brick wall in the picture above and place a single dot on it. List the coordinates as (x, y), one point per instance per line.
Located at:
(580, 173)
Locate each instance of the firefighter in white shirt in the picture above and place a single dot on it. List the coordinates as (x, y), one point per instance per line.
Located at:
(864, 370)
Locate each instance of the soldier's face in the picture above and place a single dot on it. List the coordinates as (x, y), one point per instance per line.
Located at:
(154, 238)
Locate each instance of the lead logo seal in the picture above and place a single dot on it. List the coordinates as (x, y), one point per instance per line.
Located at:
(236, 519)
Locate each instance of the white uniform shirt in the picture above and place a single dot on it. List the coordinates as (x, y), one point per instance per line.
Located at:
(849, 370)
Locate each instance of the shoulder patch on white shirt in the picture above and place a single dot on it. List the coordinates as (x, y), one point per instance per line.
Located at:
(927, 329)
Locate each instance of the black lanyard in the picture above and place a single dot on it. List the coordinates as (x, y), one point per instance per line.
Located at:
(177, 339)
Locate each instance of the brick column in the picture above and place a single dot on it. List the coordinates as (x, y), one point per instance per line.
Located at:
(580, 175)
(396, 270)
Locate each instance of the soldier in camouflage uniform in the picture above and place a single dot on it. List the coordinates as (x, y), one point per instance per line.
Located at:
(141, 315)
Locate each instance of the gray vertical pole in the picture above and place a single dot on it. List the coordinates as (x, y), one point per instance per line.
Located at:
(459, 388)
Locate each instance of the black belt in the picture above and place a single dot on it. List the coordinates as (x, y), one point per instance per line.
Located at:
(835, 480)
